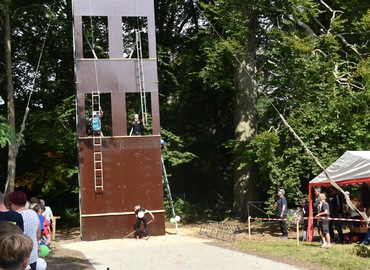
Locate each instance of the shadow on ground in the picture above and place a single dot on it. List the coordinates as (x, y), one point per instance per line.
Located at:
(62, 258)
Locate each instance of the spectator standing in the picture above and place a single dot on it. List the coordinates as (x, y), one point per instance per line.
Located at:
(337, 203)
(316, 205)
(46, 234)
(37, 208)
(282, 206)
(317, 199)
(7, 228)
(15, 247)
(9, 215)
(331, 230)
(17, 201)
(365, 198)
(353, 214)
(15, 250)
(323, 224)
(367, 237)
(48, 213)
(304, 210)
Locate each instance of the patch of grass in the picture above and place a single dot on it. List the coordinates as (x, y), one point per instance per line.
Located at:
(338, 257)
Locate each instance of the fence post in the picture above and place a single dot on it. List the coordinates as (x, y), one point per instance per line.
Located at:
(297, 221)
(55, 227)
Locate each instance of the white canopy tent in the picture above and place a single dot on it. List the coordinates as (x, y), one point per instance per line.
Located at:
(353, 167)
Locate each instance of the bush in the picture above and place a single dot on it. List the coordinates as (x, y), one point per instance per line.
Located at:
(362, 251)
(72, 217)
(191, 212)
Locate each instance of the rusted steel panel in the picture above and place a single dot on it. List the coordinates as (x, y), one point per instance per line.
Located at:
(152, 39)
(81, 119)
(114, 76)
(118, 227)
(77, 35)
(115, 37)
(138, 8)
(155, 114)
(132, 175)
(119, 124)
(132, 172)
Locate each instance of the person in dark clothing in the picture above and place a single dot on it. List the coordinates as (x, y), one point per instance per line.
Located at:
(282, 206)
(304, 210)
(365, 198)
(136, 126)
(10, 215)
(15, 247)
(141, 217)
(367, 237)
(337, 203)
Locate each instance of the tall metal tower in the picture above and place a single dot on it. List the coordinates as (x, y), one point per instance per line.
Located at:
(117, 171)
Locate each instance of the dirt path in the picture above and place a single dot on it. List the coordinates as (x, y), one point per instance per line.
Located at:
(183, 251)
(62, 258)
(187, 250)
(169, 252)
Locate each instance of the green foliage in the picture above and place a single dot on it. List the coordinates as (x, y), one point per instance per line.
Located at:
(338, 257)
(5, 134)
(311, 65)
(172, 149)
(361, 251)
(191, 212)
(364, 71)
(71, 217)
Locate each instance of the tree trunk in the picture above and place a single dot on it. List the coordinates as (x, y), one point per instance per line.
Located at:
(10, 100)
(245, 119)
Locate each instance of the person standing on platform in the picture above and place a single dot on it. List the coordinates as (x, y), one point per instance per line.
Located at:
(136, 125)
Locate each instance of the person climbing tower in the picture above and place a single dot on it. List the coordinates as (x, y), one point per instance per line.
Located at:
(95, 122)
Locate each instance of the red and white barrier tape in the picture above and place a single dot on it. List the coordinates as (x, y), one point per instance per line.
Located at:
(294, 219)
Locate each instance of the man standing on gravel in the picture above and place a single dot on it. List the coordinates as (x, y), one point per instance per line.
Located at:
(282, 206)
(141, 217)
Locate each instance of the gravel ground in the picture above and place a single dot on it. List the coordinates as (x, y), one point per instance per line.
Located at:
(173, 252)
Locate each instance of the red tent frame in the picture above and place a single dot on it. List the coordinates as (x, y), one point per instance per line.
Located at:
(311, 186)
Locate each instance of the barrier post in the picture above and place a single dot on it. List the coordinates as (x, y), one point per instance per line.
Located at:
(297, 222)
(249, 227)
(55, 227)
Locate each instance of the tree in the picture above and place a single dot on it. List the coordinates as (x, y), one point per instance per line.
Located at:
(12, 149)
(313, 76)
(297, 54)
(44, 87)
